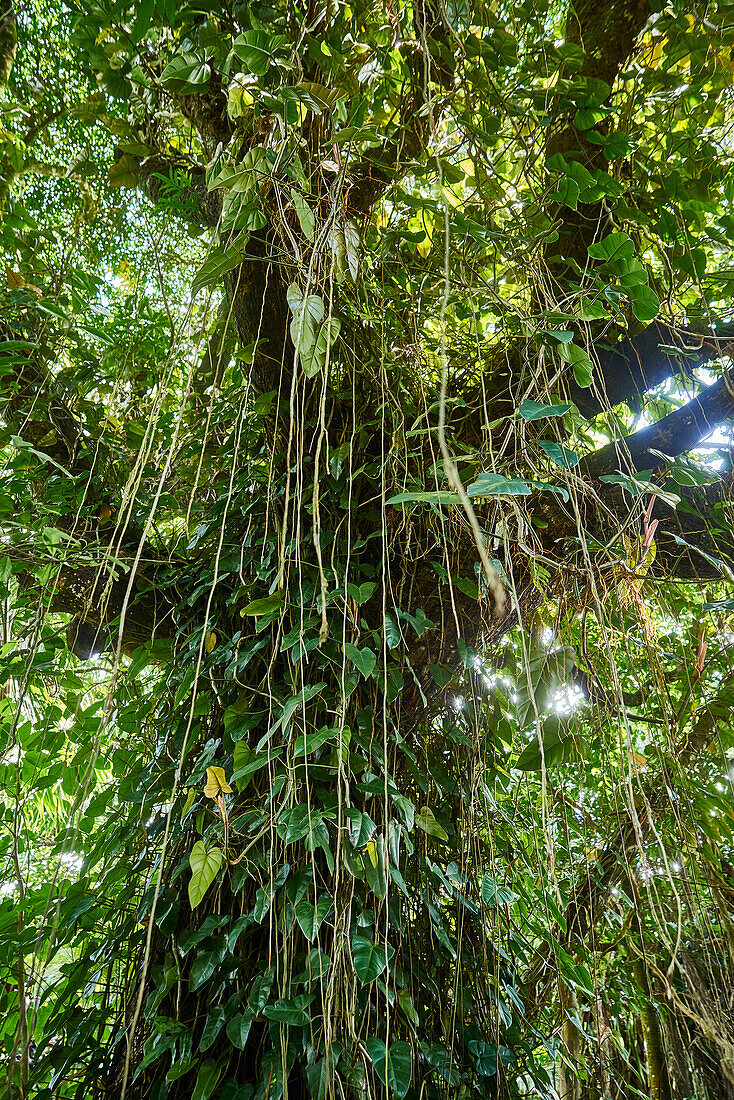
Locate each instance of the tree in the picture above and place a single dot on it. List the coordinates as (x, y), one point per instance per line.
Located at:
(365, 726)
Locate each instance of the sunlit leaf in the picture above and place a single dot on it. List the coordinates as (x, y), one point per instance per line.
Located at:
(205, 863)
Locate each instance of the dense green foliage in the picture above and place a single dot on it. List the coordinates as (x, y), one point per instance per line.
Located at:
(366, 672)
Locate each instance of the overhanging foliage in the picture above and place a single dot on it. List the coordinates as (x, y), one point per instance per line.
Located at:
(366, 666)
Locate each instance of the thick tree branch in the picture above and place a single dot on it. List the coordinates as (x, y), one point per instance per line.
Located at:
(607, 33)
(673, 435)
(193, 202)
(33, 411)
(694, 542)
(371, 176)
(8, 40)
(207, 113)
(642, 362)
(95, 597)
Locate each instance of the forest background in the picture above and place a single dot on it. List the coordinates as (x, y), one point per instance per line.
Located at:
(366, 672)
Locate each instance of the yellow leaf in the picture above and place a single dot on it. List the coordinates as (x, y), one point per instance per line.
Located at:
(14, 278)
(652, 53)
(124, 172)
(216, 783)
(371, 849)
(210, 641)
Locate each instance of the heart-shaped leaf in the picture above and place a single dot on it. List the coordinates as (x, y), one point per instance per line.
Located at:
(205, 863)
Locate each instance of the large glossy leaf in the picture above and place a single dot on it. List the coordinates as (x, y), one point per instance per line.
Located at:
(218, 263)
(310, 917)
(562, 456)
(364, 658)
(206, 1080)
(187, 72)
(313, 358)
(489, 484)
(393, 1064)
(205, 863)
(370, 959)
(308, 313)
(536, 410)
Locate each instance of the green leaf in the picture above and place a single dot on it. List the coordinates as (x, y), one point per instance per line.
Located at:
(265, 606)
(393, 1065)
(370, 959)
(583, 368)
(615, 246)
(256, 50)
(296, 702)
(392, 631)
(297, 822)
(615, 145)
(437, 497)
(442, 677)
(214, 1024)
(360, 593)
(310, 917)
(351, 245)
(488, 485)
(218, 263)
(534, 410)
(313, 359)
(314, 740)
(567, 192)
(186, 73)
(247, 762)
(492, 894)
(206, 1080)
(586, 117)
(125, 172)
(364, 659)
(555, 746)
(562, 456)
(308, 313)
(548, 487)
(645, 303)
(143, 19)
(238, 1028)
(205, 864)
(541, 678)
(319, 1077)
(292, 1012)
(425, 819)
(639, 485)
(361, 826)
(305, 216)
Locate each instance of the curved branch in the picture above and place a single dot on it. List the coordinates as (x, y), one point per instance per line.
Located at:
(692, 541)
(641, 362)
(96, 599)
(673, 435)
